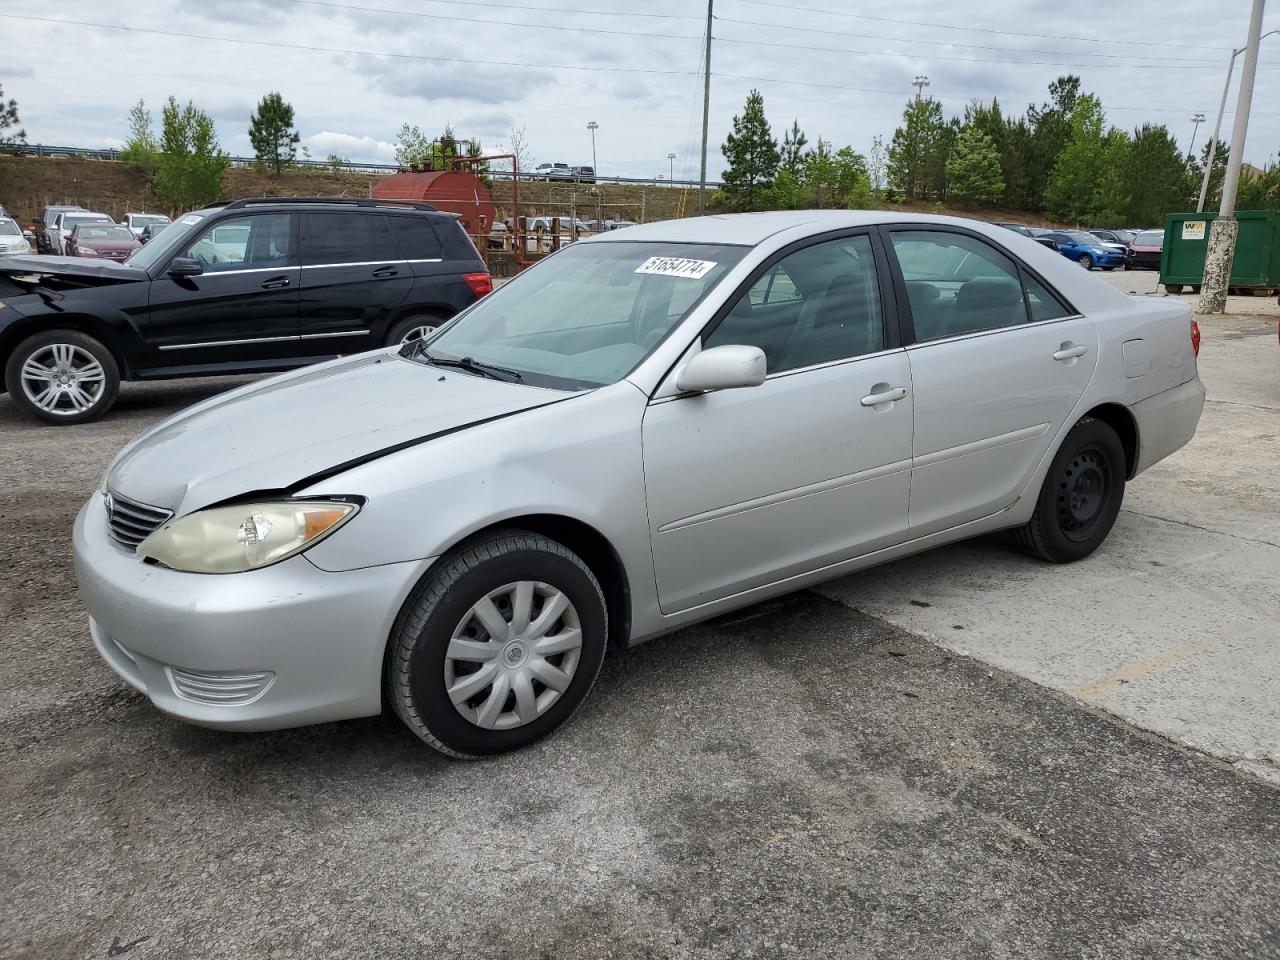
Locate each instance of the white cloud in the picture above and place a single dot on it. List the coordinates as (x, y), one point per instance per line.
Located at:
(358, 149)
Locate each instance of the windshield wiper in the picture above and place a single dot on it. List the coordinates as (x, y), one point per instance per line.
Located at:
(472, 366)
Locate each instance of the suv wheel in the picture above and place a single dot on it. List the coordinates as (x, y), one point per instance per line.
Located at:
(498, 646)
(412, 328)
(63, 377)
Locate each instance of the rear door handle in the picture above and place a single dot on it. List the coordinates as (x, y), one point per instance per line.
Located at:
(275, 283)
(885, 396)
(1070, 352)
(383, 273)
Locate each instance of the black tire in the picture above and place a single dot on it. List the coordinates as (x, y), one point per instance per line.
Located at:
(399, 329)
(416, 684)
(1173, 289)
(1080, 498)
(33, 347)
(1085, 261)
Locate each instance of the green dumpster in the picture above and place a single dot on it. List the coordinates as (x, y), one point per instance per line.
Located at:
(1256, 265)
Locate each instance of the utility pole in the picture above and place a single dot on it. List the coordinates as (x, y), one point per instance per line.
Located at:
(706, 115)
(671, 167)
(1225, 229)
(920, 82)
(1217, 125)
(1196, 119)
(593, 127)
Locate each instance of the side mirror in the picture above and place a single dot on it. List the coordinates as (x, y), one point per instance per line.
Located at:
(185, 267)
(723, 368)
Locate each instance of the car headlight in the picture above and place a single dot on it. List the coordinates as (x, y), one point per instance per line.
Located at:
(86, 251)
(245, 536)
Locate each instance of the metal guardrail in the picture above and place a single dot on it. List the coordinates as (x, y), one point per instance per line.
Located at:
(90, 153)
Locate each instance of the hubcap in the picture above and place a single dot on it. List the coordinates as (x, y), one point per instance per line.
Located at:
(1086, 262)
(513, 654)
(416, 333)
(63, 379)
(1082, 492)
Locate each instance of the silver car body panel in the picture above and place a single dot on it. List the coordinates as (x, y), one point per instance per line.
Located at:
(709, 502)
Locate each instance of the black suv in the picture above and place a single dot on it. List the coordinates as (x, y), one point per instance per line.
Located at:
(251, 285)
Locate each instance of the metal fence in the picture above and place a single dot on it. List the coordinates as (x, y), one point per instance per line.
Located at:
(89, 153)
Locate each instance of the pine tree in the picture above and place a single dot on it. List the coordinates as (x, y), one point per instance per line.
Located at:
(1073, 192)
(275, 141)
(752, 154)
(973, 169)
(914, 151)
(190, 165)
(1155, 176)
(793, 145)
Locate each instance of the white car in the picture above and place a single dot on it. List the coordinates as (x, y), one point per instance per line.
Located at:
(652, 427)
(137, 222)
(12, 240)
(66, 222)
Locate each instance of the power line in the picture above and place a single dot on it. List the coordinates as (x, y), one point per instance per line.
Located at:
(792, 8)
(593, 13)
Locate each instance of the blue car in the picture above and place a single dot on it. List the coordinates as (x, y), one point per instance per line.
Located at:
(1085, 249)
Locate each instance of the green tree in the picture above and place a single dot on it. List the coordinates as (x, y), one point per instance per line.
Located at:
(753, 156)
(1196, 173)
(1050, 130)
(973, 169)
(914, 163)
(838, 179)
(191, 163)
(413, 148)
(271, 131)
(1259, 191)
(1015, 165)
(1114, 195)
(793, 144)
(11, 135)
(141, 149)
(878, 166)
(1073, 192)
(1155, 176)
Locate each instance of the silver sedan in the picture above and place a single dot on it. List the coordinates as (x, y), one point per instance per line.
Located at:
(651, 427)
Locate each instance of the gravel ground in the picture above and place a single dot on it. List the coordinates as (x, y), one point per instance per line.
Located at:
(798, 780)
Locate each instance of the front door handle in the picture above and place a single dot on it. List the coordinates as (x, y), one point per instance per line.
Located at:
(883, 396)
(383, 273)
(1069, 351)
(275, 283)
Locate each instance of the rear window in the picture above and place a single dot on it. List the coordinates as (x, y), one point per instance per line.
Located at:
(416, 237)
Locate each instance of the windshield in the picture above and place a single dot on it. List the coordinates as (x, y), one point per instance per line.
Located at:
(9, 229)
(105, 232)
(586, 316)
(70, 222)
(1150, 238)
(146, 219)
(163, 246)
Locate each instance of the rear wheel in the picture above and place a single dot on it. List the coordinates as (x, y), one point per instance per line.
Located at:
(63, 377)
(412, 328)
(1080, 498)
(499, 645)
(1085, 261)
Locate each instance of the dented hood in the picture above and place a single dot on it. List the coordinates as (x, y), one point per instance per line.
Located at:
(77, 267)
(273, 435)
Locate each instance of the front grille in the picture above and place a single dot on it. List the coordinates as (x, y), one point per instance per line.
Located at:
(131, 522)
(222, 689)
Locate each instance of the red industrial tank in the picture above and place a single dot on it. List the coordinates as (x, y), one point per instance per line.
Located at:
(453, 191)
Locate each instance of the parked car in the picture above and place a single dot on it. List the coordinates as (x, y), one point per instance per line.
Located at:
(137, 222)
(584, 174)
(1026, 231)
(1085, 249)
(1143, 252)
(553, 171)
(44, 226)
(1121, 238)
(12, 239)
(643, 431)
(309, 280)
(66, 222)
(151, 231)
(106, 240)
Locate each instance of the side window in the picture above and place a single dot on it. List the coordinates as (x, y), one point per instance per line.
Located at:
(957, 284)
(337, 238)
(415, 237)
(243, 243)
(823, 305)
(1044, 305)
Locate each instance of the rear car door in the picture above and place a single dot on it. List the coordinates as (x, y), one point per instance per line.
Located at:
(998, 363)
(243, 309)
(751, 486)
(353, 279)
(448, 273)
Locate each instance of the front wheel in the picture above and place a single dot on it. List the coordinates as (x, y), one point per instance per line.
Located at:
(412, 328)
(498, 646)
(1080, 498)
(1085, 261)
(62, 377)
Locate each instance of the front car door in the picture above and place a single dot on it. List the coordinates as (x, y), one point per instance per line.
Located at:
(353, 278)
(998, 362)
(243, 309)
(751, 486)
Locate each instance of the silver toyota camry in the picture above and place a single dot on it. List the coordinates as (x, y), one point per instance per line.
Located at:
(650, 428)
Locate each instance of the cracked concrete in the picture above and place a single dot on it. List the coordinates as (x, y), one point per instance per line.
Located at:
(1174, 625)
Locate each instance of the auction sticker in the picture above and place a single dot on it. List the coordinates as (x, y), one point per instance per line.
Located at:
(1193, 230)
(676, 267)
(191, 218)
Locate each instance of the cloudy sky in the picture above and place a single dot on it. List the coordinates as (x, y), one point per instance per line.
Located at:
(355, 70)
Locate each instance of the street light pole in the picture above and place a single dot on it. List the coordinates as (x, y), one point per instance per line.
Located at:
(1222, 236)
(1217, 125)
(920, 82)
(593, 127)
(671, 166)
(1196, 120)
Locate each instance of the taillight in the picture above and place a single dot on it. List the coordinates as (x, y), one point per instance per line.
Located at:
(1195, 337)
(482, 283)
